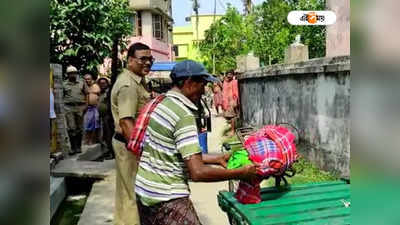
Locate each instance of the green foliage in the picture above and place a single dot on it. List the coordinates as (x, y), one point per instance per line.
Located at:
(274, 33)
(265, 31)
(225, 39)
(272, 30)
(69, 212)
(82, 31)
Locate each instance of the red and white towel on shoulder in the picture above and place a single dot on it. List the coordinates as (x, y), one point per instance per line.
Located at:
(135, 143)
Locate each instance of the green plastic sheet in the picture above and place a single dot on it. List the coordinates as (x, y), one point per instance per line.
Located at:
(238, 159)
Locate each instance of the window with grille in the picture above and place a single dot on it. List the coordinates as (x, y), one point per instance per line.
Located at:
(132, 21)
(158, 27)
(176, 50)
(138, 24)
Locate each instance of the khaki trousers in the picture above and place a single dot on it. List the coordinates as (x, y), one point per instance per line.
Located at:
(74, 118)
(126, 211)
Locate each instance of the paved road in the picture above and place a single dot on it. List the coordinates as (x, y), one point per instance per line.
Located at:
(204, 195)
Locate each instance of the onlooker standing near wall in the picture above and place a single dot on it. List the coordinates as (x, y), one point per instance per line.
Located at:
(230, 103)
(208, 96)
(128, 95)
(75, 102)
(92, 118)
(105, 117)
(217, 89)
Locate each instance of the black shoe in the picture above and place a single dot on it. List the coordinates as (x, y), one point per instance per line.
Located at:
(108, 156)
(78, 142)
(71, 152)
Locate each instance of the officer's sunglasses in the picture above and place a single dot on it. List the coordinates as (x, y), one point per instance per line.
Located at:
(144, 59)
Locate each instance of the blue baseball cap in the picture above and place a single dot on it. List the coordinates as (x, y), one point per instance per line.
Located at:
(190, 68)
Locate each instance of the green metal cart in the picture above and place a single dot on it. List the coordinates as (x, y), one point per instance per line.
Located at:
(308, 204)
(311, 204)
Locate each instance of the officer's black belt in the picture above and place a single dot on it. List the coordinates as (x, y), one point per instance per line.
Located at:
(74, 103)
(120, 137)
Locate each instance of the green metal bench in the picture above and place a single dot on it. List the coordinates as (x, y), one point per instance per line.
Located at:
(311, 204)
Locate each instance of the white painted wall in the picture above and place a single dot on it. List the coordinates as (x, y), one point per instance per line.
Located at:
(147, 25)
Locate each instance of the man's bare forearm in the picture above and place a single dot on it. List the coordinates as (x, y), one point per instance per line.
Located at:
(211, 174)
(213, 158)
(201, 172)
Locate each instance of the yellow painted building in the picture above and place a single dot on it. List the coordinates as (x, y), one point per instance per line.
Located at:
(184, 37)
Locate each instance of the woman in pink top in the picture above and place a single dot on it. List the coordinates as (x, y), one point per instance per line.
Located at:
(230, 99)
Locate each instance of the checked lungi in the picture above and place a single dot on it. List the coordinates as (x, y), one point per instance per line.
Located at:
(174, 212)
(91, 120)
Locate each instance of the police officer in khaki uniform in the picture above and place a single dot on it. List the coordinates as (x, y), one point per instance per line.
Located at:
(74, 104)
(128, 95)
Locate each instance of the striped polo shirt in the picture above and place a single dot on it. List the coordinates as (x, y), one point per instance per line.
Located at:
(171, 136)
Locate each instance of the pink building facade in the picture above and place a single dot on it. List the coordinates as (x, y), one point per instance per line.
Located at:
(152, 25)
(161, 51)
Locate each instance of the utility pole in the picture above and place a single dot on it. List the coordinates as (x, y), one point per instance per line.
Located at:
(215, 11)
(247, 6)
(196, 7)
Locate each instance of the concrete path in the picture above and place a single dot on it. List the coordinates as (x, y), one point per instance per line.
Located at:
(99, 206)
(74, 168)
(204, 195)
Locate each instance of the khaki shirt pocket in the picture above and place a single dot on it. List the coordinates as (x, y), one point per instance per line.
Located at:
(144, 97)
(127, 102)
(67, 91)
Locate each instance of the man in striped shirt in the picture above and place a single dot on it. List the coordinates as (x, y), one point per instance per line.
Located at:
(171, 153)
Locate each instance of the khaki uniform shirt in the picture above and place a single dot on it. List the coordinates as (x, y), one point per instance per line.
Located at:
(127, 97)
(74, 92)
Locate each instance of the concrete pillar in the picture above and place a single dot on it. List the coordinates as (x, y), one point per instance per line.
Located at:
(63, 143)
(247, 62)
(296, 52)
(338, 34)
(58, 191)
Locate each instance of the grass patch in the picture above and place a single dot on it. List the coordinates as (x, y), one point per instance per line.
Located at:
(306, 173)
(69, 212)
